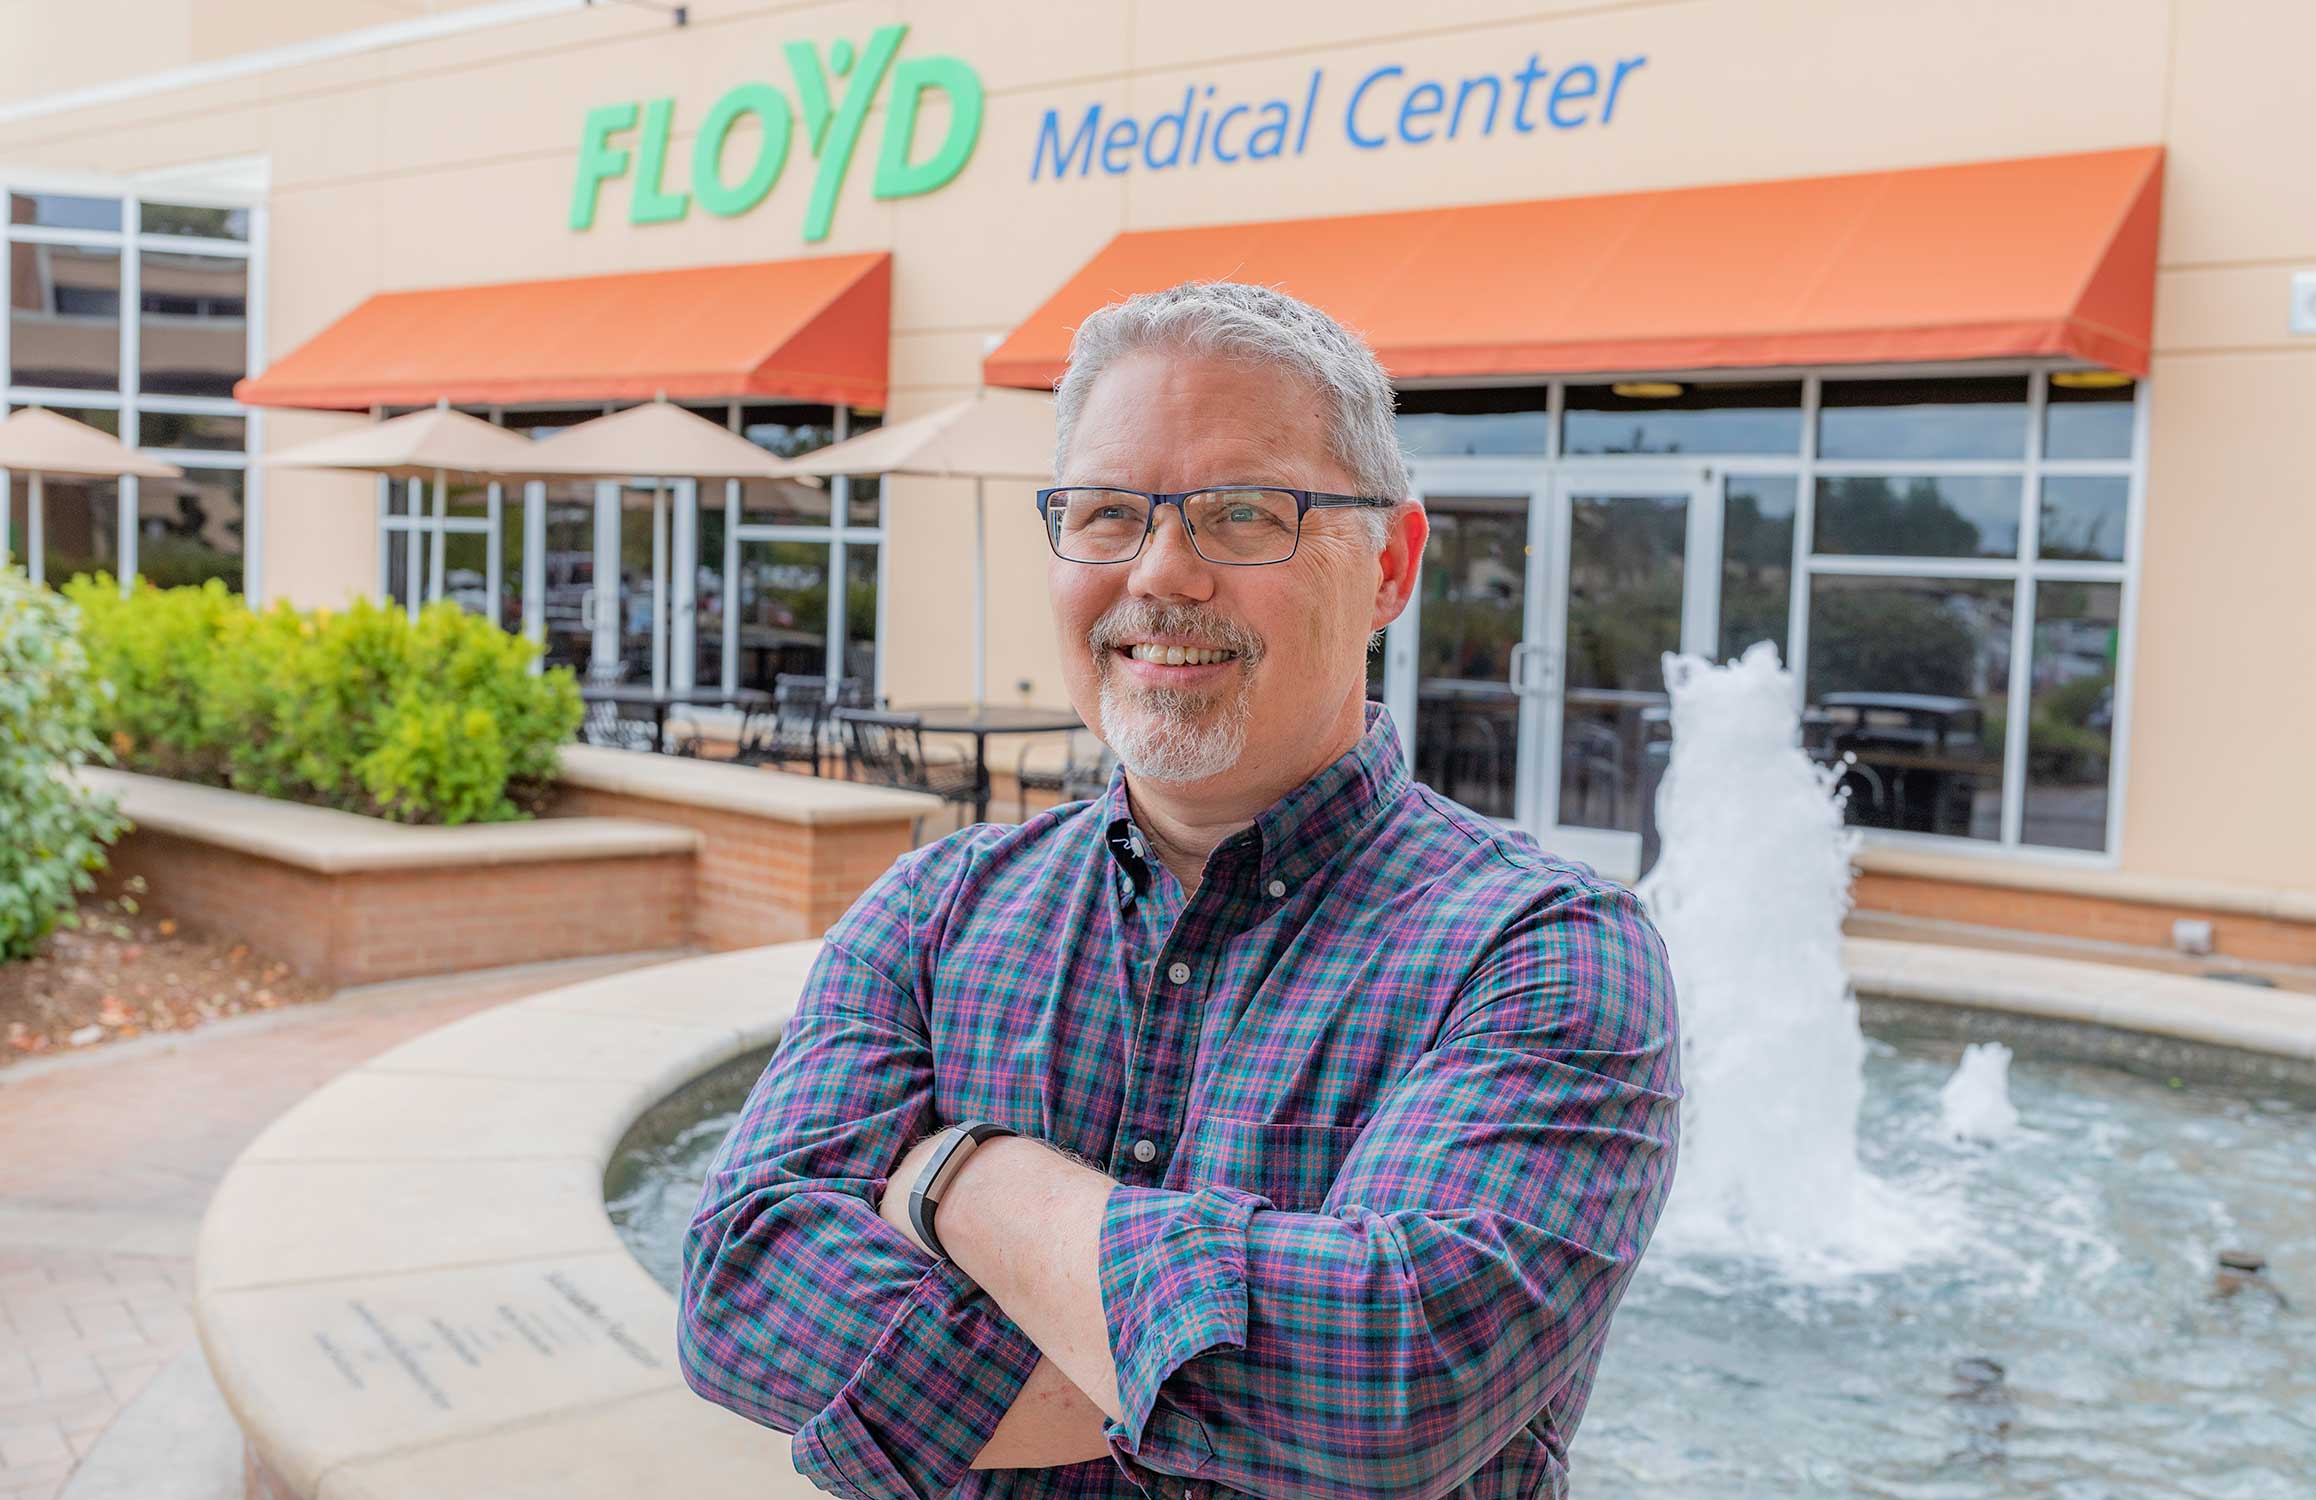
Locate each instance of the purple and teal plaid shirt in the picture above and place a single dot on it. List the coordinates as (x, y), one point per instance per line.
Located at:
(1392, 1099)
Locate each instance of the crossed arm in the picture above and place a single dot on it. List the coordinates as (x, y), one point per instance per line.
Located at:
(1461, 1269)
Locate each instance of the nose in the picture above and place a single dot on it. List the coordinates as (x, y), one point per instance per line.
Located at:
(1170, 566)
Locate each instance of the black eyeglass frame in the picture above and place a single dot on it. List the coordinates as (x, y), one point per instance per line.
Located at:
(1306, 501)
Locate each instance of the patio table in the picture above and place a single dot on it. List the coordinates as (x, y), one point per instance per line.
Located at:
(662, 699)
(982, 720)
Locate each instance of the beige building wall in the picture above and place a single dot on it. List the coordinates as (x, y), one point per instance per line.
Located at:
(451, 161)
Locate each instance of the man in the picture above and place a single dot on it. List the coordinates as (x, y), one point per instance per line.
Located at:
(1341, 1113)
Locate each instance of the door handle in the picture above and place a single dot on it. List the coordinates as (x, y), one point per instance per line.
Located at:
(1522, 654)
(587, 609)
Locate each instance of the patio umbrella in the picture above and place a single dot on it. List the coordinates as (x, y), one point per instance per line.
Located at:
(436, 441)
(997, 434)
(41, 442)
(656, 439)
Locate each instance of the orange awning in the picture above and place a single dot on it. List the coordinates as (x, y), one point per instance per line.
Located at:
(2051, 255)
(805, 330)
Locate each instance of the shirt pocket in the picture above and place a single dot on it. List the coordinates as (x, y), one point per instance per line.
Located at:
(1292, 1165)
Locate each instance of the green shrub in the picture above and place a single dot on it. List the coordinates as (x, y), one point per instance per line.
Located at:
(434, 721)
(53, 831)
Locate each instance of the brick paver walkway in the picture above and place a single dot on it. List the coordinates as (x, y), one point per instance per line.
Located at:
(109, 1159)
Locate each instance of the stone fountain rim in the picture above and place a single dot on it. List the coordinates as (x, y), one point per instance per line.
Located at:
(552, 1084)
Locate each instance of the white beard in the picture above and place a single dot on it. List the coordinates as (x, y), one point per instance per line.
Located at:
(1161, 734)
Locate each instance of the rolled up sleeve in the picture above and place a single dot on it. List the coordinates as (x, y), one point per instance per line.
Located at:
(1463, 1265)
(799, 1306)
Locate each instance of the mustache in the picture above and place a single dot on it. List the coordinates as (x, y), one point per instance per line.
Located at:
(1137, 622)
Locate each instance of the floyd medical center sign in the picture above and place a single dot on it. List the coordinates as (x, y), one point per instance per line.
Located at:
(824, 112)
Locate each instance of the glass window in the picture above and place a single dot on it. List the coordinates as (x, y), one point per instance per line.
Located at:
(1981, 417)
(194, 221)
(1909, 675)
(194, 335)
(860, 613)
(1944, 515)
(567, 573)
(782, 596)
(81, 524)
(466, 579)
(103, 418)
(1475, 589)
(708, 588)
(1626, 565)
(190, 529)
(784, 502)
(1669, 416)
(1495, 419)
(788, 430)
(2071, 714)
(64, 211)
(1756, 560)
(64, 316)
(176, 429)
(864, 502)
(2083, 517)
(546, 423)
(2087, 420)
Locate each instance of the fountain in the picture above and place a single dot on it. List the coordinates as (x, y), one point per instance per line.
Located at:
(1891, 1265)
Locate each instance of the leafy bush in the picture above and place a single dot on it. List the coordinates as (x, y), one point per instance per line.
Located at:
(433, 721)
(52, 831)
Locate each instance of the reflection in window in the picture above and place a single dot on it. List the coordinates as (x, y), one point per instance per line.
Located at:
(81, 522)
(1756, 561)
(784, 502)
(2083, 517)
(1491, 419)
(1626, 566)
(104, 419)
(788, 430)
(64, 316)
(2071, 723)
(860, 613)
(1475, 585)
(190, 529)
(1909, 675)
(174, 429)
(466, 577)
(782, 597)
(708, 588)
(64, 211)
(1945, 515)
(194, 336)
(864, 495)
(2087, 421)
(194, 222)
(1683, 417)
(1982, 417)
(567, 608)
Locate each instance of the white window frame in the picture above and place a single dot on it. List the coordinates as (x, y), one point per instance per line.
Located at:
(180, 187)
(2023, 571)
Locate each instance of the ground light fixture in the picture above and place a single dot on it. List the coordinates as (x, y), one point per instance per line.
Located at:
(2089, 380)
(1648, 390)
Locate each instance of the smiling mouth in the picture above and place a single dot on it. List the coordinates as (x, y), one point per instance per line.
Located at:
(1176, 656)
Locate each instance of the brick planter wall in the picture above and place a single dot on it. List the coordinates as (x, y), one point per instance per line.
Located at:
(760, 880)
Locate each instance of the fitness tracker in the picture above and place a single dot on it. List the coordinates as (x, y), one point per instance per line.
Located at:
(956, 1143)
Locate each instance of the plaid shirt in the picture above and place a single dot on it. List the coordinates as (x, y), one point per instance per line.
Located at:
(1392, 1099)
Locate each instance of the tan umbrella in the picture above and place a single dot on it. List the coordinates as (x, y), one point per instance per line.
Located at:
(41, 442)
(416, 445)
(998, 434)
(656, 439)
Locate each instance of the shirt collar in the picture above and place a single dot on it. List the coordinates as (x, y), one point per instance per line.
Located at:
(1295, 836)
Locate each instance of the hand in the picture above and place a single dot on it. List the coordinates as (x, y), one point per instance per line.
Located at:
(893, 1207)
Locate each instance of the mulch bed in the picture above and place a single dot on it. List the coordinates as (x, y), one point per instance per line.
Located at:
(124, 973)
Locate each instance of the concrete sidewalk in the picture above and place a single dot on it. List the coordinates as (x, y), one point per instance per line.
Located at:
(111, 1156)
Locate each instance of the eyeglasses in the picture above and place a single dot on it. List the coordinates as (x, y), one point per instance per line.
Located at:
(1236, 525)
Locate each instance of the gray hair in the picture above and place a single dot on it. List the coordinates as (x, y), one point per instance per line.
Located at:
(1259, 325)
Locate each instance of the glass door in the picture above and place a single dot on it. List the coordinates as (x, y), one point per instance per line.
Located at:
(1621, 594)
(1466, 693)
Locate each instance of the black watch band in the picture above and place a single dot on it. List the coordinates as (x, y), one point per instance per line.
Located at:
(956, 1143)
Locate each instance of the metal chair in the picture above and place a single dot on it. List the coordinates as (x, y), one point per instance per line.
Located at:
(1085, 772)
(791, 729)
(890, 749)
(615, 726)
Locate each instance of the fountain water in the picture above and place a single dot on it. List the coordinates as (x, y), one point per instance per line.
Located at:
(1975, 1104)
(1749, 895)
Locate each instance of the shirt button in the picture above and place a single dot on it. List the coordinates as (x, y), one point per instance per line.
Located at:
(1278, 888)
(1145, 1149)
(1180, 973)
